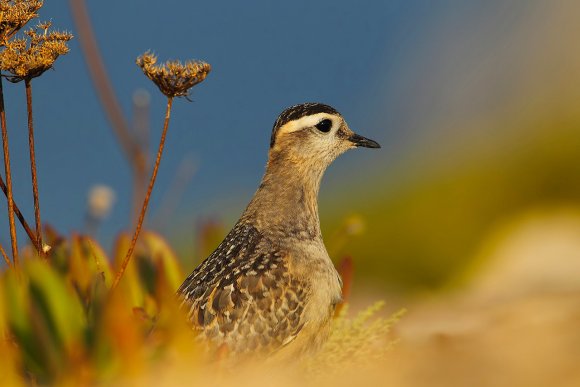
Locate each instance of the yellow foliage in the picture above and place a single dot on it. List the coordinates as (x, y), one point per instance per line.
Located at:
(61, 323)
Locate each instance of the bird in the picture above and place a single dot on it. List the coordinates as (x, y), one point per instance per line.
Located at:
(270, 285)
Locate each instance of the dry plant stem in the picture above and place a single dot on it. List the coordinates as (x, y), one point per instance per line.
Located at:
(174, 193)
(141, 169)
(8, 177)
(5, 256)
(139, 184)
(38, 243)
(147, 195)
(20, 217)
(100, 79)
(135, 154)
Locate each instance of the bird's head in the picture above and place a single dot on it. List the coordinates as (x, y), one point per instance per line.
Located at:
(313, 134)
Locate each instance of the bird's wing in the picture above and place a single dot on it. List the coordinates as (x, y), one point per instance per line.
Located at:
(244, 295)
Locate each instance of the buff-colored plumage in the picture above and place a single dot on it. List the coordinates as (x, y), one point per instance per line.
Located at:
(270, 285)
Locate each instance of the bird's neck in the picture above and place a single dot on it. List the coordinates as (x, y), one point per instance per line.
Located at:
(287, 200)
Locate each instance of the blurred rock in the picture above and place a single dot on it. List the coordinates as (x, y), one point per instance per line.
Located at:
(517, 324)
(535, 254)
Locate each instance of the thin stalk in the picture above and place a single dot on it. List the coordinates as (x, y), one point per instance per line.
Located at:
(147, 195)
(174, 192)
(38, 243)
(8, 178)
(101, 80)
(20, 217)
(140, 166)
(5, 256)
(136, 155)
(139, 184)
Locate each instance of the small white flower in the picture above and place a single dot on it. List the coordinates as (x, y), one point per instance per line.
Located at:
(100, 201)
(46, 248)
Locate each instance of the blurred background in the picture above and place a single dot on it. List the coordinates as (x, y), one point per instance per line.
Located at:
(475, 104)
(471, 205)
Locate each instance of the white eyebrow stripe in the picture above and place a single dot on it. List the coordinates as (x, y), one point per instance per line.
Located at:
(304, 122)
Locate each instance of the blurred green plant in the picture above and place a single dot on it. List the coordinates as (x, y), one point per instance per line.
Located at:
(61, 323)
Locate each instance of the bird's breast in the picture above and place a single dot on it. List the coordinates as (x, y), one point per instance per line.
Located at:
(310, 263)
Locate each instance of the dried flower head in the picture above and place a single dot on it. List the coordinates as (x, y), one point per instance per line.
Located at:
(14, 14)
(173, 78)
(29, 57)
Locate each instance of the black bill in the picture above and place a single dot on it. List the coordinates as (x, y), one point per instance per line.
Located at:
(361, 141)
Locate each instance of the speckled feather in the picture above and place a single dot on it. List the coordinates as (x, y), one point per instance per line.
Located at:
(270, 285)
(243, 295)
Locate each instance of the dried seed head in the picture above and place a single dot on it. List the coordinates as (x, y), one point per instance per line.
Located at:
(14, 14)
(173, 78)
(31, 56)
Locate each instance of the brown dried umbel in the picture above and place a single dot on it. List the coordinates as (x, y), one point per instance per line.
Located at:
(31, 56)
(24, 59)
(173, 78)
(14, 14)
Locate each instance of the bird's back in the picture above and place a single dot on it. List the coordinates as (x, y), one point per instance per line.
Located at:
(244, 294)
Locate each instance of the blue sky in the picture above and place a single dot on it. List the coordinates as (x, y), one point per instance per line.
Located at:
(373, 62)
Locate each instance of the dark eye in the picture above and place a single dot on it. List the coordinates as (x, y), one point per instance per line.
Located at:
(324, 125)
